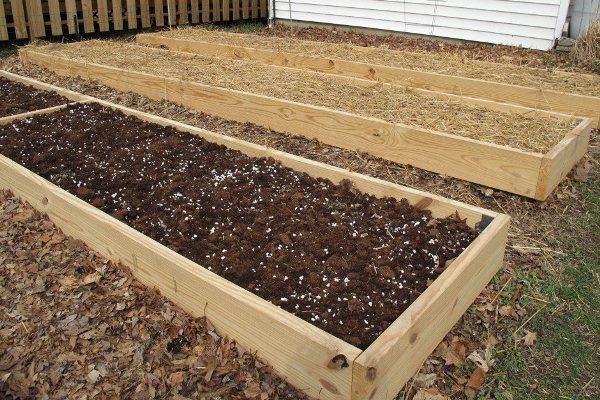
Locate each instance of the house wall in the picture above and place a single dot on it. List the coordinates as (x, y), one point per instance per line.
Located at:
(582, 13)
(527, 23)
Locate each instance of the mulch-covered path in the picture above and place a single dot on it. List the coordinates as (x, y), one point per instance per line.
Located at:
(73, 325)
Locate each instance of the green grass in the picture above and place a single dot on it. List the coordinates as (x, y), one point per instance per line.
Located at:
(564, 362)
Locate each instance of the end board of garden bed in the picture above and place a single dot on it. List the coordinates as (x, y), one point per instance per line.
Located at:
(496, 166)
(550, 100)
(297, 350)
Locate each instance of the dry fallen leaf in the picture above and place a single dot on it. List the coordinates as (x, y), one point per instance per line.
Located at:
(252, 390)
(476, 379)
(582, 170)
(92, 278)
(429, 394)
(424, 380)
(529, 338)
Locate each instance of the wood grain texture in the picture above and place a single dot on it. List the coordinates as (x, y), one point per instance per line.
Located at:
(11, 118)
(71, 15)
(549, 100)
(182, 11)
(296, 349)
(172, 10)
(159, 12)
(55, 17)
(236, 9)
(557, 163)
(35, 18)
(3, 26)
(245, 9)
(88, 16)
(145, 13)
(131, 14)
(117, 17)
(489, 164)
(103, 24)
(19, 22)
(195, 11)
(395, 356)
(216, 10)
(226, 10)
(205, 10)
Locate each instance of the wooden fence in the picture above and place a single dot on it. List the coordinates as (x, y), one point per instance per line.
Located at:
(23, 19)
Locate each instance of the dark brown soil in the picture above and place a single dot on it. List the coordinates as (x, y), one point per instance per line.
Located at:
(347, 262)
(18, 98)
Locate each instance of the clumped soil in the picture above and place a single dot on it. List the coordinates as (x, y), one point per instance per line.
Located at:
(74, 326)
(18, 98)
(391, 103)
(347, 262)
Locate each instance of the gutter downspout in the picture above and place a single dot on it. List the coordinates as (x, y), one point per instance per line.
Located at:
(272, 15)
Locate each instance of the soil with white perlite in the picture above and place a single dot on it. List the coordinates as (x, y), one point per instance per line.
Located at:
(18, 98)
(345, 261)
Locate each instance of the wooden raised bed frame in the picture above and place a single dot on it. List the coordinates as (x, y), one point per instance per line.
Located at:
(525, 173)
(297, 350)
(543, 99)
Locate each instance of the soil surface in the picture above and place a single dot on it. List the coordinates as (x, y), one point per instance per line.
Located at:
(347, 262)
(18, 98)
(74, 326)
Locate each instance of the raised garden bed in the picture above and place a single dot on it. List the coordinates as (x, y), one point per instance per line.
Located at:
(527, 173)
(309, 357)
(558, 91)
(21, 98)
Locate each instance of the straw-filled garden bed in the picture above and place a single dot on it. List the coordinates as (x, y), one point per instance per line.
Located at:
(450, 64)
(391, 103)
(345, 261)
(18, 98)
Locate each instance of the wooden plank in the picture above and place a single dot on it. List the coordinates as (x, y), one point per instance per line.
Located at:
(496, 166)
(35, 18)
(172, 9)
(236, 9)
(69, 94)
(11, 118)
(71, 15)
(145, 13)
(159, 12)
(254, 9)
(226, 10)
(117, 15)
(288, 60)
(103, 24)
(183, 12)
(55, 18)
(88, 16)
(18, 14)
(195, 10)
(559, 161)
(205, 10)
(3, 27)
(131, 14)
(245, 9)
(395, 356)
(264, 9)
(216, 12)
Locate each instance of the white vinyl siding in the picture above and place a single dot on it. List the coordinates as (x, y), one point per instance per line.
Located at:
(527, 23)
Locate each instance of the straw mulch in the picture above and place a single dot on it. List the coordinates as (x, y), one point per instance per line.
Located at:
(390, 103)
(450, 64)
(587, 47)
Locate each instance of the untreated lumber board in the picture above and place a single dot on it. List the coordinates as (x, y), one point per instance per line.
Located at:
(226, 10)
(236, 9)
(182, 11)
(550, 100)
(195, 11)
(88, 16)
(172, 11)
(55, 17)
(18, 14)
(103, 24)
(396, 355)
(35, 18)
(159, 13)
(71, 15)
(117, 15)
(297, 350)
(131, 14)
(3, 26)
(16, 117)
(245, 9)
(216, 11)
(489, 164)
(205, 10)
(145, 13)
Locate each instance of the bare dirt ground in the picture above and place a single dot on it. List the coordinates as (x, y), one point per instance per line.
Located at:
(535, 331)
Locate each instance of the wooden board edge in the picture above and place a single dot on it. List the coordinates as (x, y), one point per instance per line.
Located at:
(387, 365)
(296, 349)
(16, 117)
(321, 65)
(559, 161)
(69, 94)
